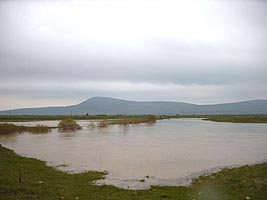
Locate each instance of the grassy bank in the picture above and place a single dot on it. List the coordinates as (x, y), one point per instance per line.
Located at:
(226, 118)
(239, 118)
(27, 178)
(217, 118)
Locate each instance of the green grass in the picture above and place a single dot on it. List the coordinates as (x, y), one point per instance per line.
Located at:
(217, 118)
(27, 178)
(22, 118)
(239, 118)
(225, 118)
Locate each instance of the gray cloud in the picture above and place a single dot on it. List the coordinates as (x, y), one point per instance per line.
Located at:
(207, 52)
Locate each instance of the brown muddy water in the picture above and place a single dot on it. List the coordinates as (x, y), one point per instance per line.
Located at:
(169, 152)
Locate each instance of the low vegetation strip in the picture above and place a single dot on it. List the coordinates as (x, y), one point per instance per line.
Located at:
(7, 128)
(23, 118)
(239, 118)
(28, 178)
(225, 118)
(126, 121)
(65, 125)
(217, 118)
(138, 120)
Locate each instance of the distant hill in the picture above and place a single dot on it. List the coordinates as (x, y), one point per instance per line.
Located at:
(111, 106)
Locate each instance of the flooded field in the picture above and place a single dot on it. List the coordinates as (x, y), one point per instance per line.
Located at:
(169, 152)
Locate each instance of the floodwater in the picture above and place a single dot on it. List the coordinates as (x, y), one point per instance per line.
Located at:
(169, 152)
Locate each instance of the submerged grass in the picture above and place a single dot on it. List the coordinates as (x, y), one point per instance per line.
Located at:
(39, 129)
(66, 124)
(127, 121)
(10, 128)
(27, 178)
(144, 119)
(7, 128)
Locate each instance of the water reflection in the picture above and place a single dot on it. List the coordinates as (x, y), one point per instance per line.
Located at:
(67, 134)
(125, 129)
(11, 137)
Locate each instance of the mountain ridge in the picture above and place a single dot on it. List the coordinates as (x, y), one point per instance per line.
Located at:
(112, 106)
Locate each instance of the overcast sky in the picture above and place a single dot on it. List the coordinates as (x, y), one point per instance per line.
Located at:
(63, 52)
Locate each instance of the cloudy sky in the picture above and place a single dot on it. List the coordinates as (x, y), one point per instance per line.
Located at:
(63, 52)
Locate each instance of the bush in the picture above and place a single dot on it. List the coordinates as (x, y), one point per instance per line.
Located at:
(69, 124)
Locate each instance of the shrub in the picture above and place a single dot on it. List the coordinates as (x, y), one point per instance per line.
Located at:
(69, 124)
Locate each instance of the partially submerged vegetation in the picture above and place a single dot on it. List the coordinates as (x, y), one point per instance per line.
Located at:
(103, 123)
(149, 119)
(10, 128)
(217, 118)
(145, 119)
(39, 129)
(68, 124)
(7, 128)
(28, 178)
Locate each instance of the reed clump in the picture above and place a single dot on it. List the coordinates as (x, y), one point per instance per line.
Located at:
(7, 128)
(10, 128)
(39, 129)
(68, 124)
(103, 124)
(149, 119)
(92, 125)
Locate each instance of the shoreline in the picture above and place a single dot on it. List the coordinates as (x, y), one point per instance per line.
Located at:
(151, 181)
(39, 181)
